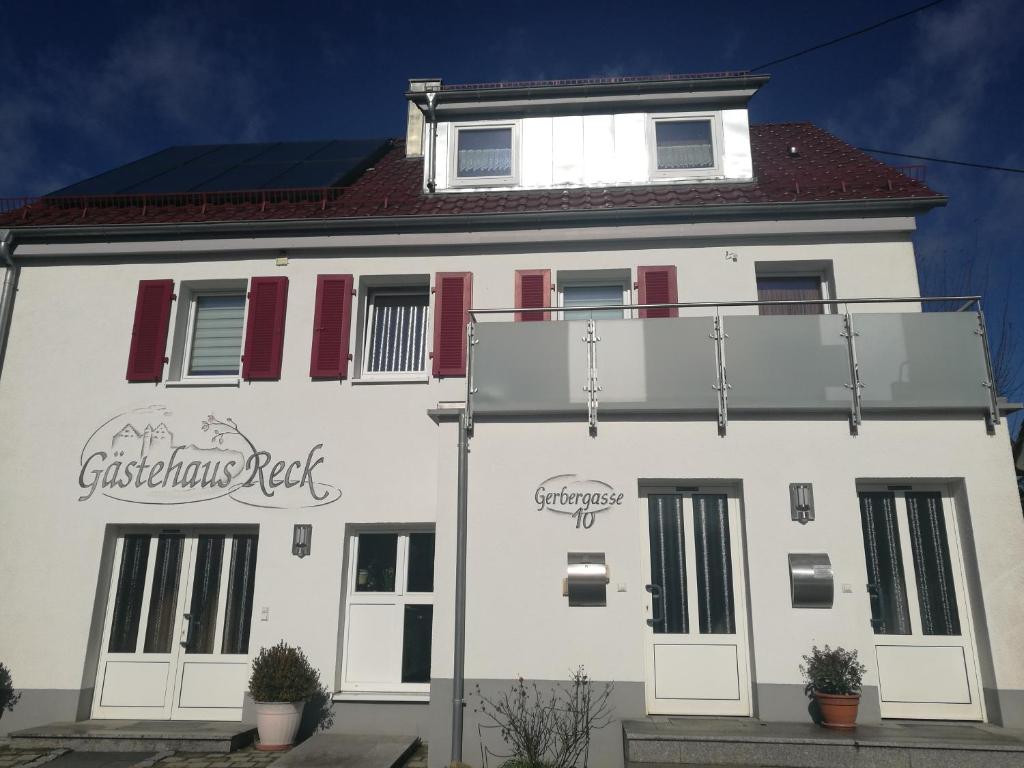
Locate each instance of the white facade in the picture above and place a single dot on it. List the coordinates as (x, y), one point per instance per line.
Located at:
(389, 465)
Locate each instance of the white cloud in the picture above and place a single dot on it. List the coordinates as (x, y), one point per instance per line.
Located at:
(170, 71)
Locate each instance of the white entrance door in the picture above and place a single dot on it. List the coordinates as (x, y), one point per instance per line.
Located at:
(176, 636)
(695, 604)
(924, 646)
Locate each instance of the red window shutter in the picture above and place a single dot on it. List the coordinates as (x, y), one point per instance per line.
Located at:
(533, 289)
(332, 321)
(453, 298)
(264, 329)
(658, 286)
(146, 356)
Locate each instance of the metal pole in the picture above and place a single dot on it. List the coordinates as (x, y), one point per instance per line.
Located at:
(461, 518)
(10, 288)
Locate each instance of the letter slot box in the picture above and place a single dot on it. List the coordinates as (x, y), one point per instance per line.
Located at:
(587, 579)
(811, 581)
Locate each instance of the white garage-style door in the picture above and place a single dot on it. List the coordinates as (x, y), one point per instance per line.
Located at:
(176, 636)
(697, 659)
(924, 646)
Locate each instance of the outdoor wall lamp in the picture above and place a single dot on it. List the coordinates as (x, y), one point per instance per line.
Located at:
(302, 536)
(801, 502)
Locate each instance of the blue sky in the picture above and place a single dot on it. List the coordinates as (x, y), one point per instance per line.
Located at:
(88, 86)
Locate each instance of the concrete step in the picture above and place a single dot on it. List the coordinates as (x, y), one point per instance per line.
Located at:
(137, 736)
(661, 742)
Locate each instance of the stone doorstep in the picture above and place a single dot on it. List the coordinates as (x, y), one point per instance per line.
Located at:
(137, 736)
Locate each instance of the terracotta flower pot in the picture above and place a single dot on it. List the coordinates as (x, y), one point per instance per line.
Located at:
(277, 723)
(838, 710)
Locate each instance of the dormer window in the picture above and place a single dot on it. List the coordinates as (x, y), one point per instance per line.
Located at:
(485, 154)
(684, 146)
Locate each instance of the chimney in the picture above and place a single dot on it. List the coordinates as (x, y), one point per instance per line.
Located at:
(414, 127)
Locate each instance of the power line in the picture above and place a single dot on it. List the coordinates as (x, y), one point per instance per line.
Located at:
(850, 34)
(984, 166)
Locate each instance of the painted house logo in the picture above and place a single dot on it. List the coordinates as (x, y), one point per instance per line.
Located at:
(576, 496)
(137, 457)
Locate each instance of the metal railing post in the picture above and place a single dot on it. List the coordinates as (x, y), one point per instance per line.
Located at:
(990, 384)
(721, 384)
(592, 387)
(856, 385)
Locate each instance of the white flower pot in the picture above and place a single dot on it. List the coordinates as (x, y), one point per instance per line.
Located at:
(277, 723)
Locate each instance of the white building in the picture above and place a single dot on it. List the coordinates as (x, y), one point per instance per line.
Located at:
(191, 371)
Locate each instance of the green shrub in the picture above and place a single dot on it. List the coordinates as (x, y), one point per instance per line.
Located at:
(8, 698)
(833, 670)
(283, 673)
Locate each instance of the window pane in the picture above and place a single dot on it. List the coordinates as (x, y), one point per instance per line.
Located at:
(421, 562)
(376, 561)
(932, 567)
(131, 583)
(217, 335)
(163, 601)
(484, 152)
(205, 592)
(397, 326)
(241, 583)
(416, 643)
(668, 564)
(790, 288)
(713, 552)
(684, 144)
(886, 586)
(593, 296)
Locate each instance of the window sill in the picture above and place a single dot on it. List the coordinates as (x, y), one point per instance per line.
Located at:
(382, 697)
(417, 379)
(225, 382)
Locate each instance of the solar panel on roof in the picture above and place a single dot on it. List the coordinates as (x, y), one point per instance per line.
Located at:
(235, 167)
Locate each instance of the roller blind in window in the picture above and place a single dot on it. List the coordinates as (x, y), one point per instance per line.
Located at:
(216, 335)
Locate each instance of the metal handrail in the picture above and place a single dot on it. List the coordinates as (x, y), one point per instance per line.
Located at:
(968, 301)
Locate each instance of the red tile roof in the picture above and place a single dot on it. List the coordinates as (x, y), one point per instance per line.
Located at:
(824, 169)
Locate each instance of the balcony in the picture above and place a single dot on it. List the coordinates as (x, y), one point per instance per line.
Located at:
(720, 363)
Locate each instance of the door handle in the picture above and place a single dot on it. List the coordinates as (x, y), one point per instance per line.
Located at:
(655, 590)
(190, 632)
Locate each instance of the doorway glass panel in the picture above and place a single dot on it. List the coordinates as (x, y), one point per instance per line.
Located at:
(241, 585)
(163, 601)
(131, 586)
(205, 592)
(936, 594)
(668, 564)
(887, 587)
(714, 564)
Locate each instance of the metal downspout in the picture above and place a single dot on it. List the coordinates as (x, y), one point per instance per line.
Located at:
(7, 295)
(459, 672)
(432, 115)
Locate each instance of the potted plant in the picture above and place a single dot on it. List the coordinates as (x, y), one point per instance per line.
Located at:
(281, 683)
(8, 698)
(834, 677)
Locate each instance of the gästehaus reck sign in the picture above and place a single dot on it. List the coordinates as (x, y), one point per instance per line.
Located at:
(141, 456)
(576, 496)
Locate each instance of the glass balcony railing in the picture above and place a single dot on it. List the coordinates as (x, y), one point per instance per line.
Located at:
(723, 365)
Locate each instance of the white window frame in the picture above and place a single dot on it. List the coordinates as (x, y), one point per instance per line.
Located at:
(365, 374)
(481, 181)
(821, 274)
(186, 352)
(573, 282)
(399, 598)
(656, 173)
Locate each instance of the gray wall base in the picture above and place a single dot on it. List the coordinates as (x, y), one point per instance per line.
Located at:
(781, 703)
(606, 748)
(39, 706)
(1005, 707)
(364, 718)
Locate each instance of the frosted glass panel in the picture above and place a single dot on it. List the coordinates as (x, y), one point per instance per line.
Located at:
(525, 367)
(921, 360)
(663, 364)
(787, 361)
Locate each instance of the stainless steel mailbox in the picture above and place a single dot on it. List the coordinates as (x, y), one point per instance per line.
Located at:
(811, 581)
(587, 579)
